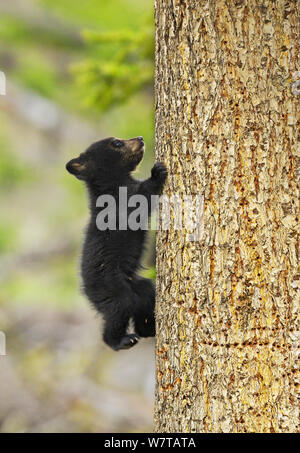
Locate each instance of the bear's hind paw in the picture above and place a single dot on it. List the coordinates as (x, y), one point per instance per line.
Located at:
(128, 341)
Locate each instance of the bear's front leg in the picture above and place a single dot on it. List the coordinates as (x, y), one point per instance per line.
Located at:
(159, 175)
(155, 184)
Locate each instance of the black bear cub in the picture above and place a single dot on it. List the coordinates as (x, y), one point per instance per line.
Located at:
(111, 257)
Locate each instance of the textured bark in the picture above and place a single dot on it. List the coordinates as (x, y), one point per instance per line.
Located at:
(226, 127)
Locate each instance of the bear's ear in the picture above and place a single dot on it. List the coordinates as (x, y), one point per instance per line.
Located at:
(76, 168)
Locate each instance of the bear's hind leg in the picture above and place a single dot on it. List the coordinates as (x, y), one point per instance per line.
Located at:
(115, 330)
(144, 319)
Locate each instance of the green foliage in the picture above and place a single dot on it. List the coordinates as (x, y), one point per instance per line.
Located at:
(123, 67)
(38, 75)
(12, 171)
(27, 285)
(114, 61)
(15, 31)
(7, 237)
(100, 14)
(150, 273)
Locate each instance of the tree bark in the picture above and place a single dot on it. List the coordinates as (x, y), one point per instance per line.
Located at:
(226, 127)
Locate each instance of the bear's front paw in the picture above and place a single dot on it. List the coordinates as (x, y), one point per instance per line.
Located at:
(159, 172)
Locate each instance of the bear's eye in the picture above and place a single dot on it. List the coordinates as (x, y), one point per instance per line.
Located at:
(117, 143)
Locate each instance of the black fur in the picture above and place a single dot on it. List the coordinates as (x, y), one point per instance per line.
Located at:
(111, 259)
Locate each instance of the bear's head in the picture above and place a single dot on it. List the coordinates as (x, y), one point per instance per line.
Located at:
(109, 156)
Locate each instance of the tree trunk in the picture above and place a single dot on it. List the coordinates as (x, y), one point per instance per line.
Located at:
(227, 301)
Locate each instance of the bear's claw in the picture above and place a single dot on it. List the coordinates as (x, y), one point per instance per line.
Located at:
(128, 341)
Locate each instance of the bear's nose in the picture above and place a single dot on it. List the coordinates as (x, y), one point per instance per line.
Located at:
(141, 139)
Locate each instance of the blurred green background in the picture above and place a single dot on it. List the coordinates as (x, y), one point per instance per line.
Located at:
(76, 72)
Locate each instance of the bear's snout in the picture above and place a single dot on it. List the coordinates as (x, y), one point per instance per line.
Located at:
(135, 144)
